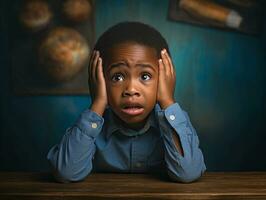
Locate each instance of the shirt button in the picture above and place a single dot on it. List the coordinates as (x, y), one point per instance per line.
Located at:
(172, 117)
(93, 125)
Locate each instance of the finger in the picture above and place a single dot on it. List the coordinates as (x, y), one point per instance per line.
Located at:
(91, 60)
(160, 77)
(91, 57)
(89, 72)
(90, 66)
(94, 66)
(161, 69)
(93, 72)
(172, 70)
(100, 71)
(165, 62)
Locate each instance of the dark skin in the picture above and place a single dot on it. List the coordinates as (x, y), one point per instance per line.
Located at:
(134, 76)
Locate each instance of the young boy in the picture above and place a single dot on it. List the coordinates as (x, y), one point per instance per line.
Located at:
(134, 124)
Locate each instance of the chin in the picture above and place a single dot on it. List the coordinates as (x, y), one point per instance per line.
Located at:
(134, 120)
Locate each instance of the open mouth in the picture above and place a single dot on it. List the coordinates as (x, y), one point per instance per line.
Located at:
(133, 109)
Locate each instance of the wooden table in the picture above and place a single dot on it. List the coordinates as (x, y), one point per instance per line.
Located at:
(240, 185)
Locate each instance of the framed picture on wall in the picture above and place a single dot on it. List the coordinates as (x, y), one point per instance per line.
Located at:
(50, 45)
(239, 15)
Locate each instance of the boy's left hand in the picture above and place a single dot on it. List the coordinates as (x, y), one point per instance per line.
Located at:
(167, 77)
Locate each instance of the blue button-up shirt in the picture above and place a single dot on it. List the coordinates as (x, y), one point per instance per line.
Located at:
(102, 144)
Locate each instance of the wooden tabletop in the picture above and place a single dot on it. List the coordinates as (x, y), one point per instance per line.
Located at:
(229, 185)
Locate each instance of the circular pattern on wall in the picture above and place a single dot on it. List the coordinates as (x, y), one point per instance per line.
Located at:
(62, 54)
(35, 15)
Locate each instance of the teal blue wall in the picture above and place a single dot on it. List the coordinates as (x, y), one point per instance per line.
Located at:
(220, 83)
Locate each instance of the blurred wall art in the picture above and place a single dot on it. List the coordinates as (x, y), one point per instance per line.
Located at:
(239, 15)
(51, 43)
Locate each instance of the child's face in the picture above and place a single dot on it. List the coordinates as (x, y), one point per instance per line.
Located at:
(131, 75)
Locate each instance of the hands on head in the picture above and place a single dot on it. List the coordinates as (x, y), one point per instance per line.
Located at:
(97, 84)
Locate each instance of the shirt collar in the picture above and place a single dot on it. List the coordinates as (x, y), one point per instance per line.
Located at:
(113, 124)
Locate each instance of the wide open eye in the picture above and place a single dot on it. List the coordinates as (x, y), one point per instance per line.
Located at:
(145, 77)
(117, 77)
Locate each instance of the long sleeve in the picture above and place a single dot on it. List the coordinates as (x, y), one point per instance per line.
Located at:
(180, 168)
(72, 158)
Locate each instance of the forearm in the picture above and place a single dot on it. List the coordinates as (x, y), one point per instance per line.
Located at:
(174, 135)
(177, 143)
(184, 159)
(186, 168)
(72, 158)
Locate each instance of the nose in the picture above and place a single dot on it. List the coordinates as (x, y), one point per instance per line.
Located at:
(131, 89)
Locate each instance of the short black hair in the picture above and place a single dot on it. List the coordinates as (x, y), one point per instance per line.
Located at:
(131, 32)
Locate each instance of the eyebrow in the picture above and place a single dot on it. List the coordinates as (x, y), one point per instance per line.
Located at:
(120, 64)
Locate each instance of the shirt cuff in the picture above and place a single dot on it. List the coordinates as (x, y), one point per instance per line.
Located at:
(90, 123)
(174, 115)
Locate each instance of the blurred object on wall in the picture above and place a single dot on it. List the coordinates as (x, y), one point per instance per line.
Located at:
(47, 58)
(77, 10)
(63, 54)
(208, 10)
(243, 16)
(35, 15)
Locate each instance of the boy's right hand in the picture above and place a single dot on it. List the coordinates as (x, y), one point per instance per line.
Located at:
(97, 84)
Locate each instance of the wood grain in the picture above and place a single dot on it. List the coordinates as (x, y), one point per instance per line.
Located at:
(229, 185)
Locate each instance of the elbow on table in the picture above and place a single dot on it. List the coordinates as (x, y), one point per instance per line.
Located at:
(67, 176)
(185, 176)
